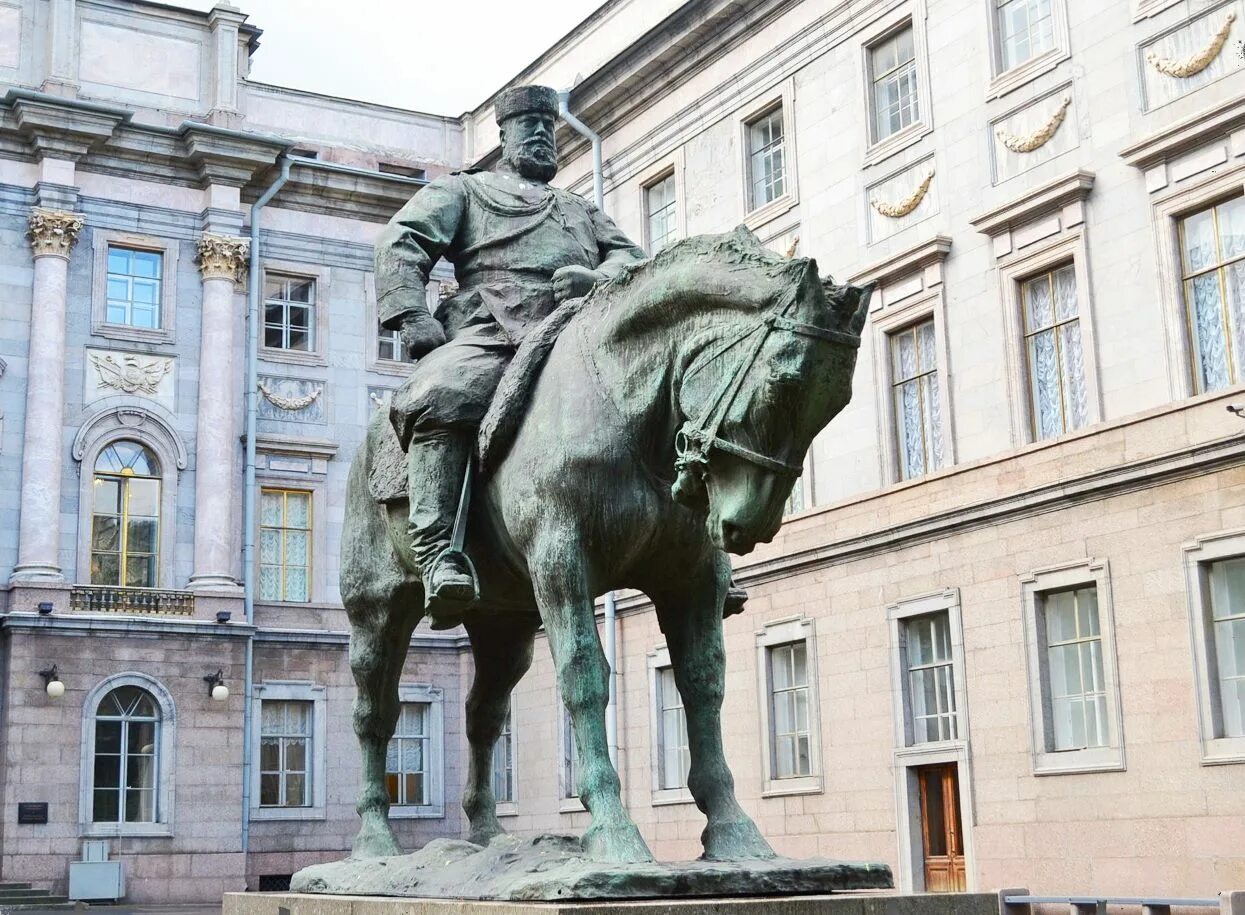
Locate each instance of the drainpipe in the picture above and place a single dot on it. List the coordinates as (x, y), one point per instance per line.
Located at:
(611, 619)
(254, 277)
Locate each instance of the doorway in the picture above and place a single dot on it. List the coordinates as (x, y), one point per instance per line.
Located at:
(942, 831)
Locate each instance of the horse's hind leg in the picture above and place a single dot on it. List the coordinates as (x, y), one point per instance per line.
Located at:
(501, 647)
(689, 610)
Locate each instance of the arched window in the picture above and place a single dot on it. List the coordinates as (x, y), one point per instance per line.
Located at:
(125, 520)
(126, 763)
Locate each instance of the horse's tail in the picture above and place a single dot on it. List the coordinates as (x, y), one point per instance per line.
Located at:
(506, 411)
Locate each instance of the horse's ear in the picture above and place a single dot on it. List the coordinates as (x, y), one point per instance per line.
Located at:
(863, 295)
(849, 303)
(743, 237)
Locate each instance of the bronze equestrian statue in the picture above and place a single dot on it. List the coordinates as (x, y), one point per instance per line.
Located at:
(655, 417)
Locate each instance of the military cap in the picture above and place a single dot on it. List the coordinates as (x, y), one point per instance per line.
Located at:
(522, 99)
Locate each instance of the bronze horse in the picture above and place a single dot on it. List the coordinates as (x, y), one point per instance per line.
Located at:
(666, 427)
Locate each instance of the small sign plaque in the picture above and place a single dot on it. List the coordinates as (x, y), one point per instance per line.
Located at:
(32, 814)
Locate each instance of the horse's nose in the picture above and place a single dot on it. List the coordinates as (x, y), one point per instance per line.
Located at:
(734, 538)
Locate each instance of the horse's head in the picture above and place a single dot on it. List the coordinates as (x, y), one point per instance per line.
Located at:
(756, 390)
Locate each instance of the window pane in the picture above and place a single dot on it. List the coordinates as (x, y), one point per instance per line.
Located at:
(1047, 400)
(295, 755)
(1200, 249)
(1232, 228)
(140, 806)
(107, 771)
(1210, 339)
(1025, 30)
(295, 791)
(1072, 367)
(107, 806)
(1038, 311)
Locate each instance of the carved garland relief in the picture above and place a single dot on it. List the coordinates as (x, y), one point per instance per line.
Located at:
(1195, 64)
(1040, 137)
(902, 208)
(130, 375)
(290, 404)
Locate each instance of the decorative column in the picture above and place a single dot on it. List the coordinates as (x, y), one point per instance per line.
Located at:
(221, 260)
(53, 234)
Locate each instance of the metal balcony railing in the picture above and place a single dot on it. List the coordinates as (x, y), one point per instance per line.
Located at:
(138, 601)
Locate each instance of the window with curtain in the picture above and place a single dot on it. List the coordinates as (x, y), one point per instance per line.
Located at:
(918, 408)
(1075, 682)
(1212, 248)
(289, 312)
(674, 759)
(791, 737)
(285, 753)
(1059, 401)
(134, 282)
(931, 678)
(892, 68)
(126, 757)
(503, 764)
(1227, 605)
(1026, 28)
(766, 162)
(285, 545)
(659, 204)
(125, 518)
(406, 762)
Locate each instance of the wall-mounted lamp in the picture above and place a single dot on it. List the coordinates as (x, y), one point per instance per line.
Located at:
(52, 682)
(222, 616)
(216, 686)
(45, 607)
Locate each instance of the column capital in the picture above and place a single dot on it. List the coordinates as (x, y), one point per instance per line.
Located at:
(54, 232)
(223, 257)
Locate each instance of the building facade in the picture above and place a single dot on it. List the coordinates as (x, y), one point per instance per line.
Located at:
(1000, 641)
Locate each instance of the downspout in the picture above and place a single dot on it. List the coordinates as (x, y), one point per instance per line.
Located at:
(254, 277)
(611, 618)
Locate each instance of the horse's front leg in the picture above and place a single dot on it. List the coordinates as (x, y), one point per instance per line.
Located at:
(689, 610)
(566, 607)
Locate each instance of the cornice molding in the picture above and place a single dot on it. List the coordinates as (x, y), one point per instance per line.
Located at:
(904, 263)
(299, 447)
(1035, 203)
(61, 128)
(1186, 134)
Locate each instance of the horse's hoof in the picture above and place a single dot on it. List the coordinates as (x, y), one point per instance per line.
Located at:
(736, 841)
(485, 832)
(617, 845)
(375, 839)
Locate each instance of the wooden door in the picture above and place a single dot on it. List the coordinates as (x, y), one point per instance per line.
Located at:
(941, 829)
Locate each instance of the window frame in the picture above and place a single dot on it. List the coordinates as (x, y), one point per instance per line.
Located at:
(879, 148)
(1034, 586)
(168, 249)
(321, 278)
(124, 481)
(659, 660)
(646, 189)
(1003, 79)
(1028, 333)
(374, 362)
(772, 635)
(287, 490)
(1199, 554)
(166, 760)
(434, 698)
(292, 691)
(568, 795)
(510, 808)
(781, 97)
(1236, 361)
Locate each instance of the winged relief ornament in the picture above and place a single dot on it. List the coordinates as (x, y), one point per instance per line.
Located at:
(130, 375)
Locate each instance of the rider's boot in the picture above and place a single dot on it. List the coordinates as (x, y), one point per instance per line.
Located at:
(435, 467)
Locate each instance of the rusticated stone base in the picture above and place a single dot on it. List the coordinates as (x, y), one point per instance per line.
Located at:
(554, 867)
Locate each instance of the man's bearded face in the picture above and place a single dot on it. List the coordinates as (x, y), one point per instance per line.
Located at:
(528, 145)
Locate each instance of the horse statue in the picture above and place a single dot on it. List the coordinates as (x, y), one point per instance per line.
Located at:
(650, 428)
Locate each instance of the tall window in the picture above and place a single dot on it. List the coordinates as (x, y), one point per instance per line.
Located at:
(503, 764)
(1059, 401)
(289, 312)
(659, 203)
(134, 279)
(389, 345)
(1212, 244)
(674, 758)
(1026, 28)
(126, 758)
(918, 410)
(570, 757)
(1227, 604)
(406, 762)
(766, 163)
(792, 741)
(285, 545)
(125, 520)
(931, 678)
(1074, 670)
(892, 67)
(285, 753)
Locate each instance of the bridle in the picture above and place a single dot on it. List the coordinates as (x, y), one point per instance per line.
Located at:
(694, 440)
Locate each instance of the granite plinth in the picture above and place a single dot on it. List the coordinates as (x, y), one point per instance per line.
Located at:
(555, 867)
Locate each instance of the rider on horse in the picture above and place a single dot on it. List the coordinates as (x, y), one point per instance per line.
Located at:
(519, 247)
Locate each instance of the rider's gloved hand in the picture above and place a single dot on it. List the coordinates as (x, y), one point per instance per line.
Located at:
(421, 332)
(573, 281)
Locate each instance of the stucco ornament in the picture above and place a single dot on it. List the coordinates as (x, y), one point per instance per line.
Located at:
(290, 404)
(54, 232)
(1037, 139)
(1196, 63)
(131, 375)
(902, 208)
(223, 257)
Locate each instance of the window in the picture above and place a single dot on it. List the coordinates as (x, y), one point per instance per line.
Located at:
(285, 753)
(1026, 28)
(1074, 669)
(660, 202)
(570, 758)
(126, 759)
(1212, 248)
(285, 545)
(674, 758)
(389, 345)
(892, 70)
(1215, 574)
(289, 312)
(931, 678)
(788, 671)
(766, 166)
(918, 409)
(125, 520)
(406, 762)
(135, 278)
(1059, 401)
(503, 764)
(1227, 606)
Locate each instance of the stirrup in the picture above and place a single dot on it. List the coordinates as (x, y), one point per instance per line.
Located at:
(446, 609)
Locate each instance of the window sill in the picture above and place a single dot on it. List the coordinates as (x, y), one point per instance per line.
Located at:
(1021, 74)
(1223, 751)
(508, 810)
(125, 830)
(754, 219)
(571, 805)
(784, 787)
(133, 334)
(1079, 762)
(896, 143)
(424, 812)
(259, 814)
(665, 797)
(292, 357)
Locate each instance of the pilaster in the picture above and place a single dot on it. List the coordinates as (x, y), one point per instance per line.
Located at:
(225, 20)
